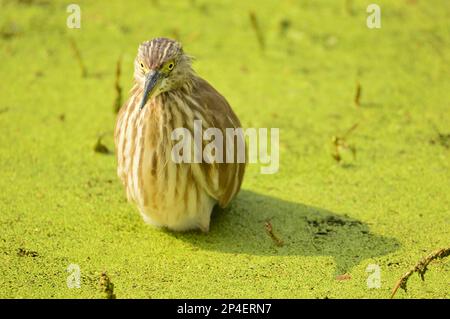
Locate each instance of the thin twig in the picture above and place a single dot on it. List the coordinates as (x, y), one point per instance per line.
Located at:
(420, 268)
(344, 277)
(269, 230)
(257, 29)
(118, 87)
(358, 94)
(77, 53)
(340, 143)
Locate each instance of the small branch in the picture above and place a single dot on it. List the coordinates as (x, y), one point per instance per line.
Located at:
(420, 268)
(257, 29)
(343, 277)
(269, 230)
(358, 94)
(77, 53)
(118, 88)
(340, 143)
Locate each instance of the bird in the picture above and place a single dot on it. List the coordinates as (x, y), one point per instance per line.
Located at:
(167, 94)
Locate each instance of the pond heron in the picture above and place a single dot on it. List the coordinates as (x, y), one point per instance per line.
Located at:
(168, 95)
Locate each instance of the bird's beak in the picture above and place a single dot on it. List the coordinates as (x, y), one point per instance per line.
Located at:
(152, 79)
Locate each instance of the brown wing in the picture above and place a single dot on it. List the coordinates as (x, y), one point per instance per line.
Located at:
(217, 108)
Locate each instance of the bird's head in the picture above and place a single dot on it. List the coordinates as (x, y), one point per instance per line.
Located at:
(160, 66)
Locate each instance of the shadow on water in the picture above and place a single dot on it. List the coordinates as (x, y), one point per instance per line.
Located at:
(305, 231)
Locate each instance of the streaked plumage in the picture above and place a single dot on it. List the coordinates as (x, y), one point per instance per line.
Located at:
(177, 196)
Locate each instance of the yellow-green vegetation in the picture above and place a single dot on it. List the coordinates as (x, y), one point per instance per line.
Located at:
(364, 149)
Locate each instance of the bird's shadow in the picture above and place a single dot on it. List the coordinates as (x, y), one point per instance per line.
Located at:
(304, 231)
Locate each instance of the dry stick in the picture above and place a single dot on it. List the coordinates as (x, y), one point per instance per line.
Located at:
(78, 57)
(259, 34)
(269, 229)
(420, 268)
(344, 277)
(118, 88)
(358, 94)
(339, 142)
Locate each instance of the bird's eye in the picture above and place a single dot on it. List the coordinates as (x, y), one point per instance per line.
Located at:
(170, 66)
(142, 65)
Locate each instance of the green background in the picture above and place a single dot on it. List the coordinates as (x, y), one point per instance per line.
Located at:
(61, 203)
